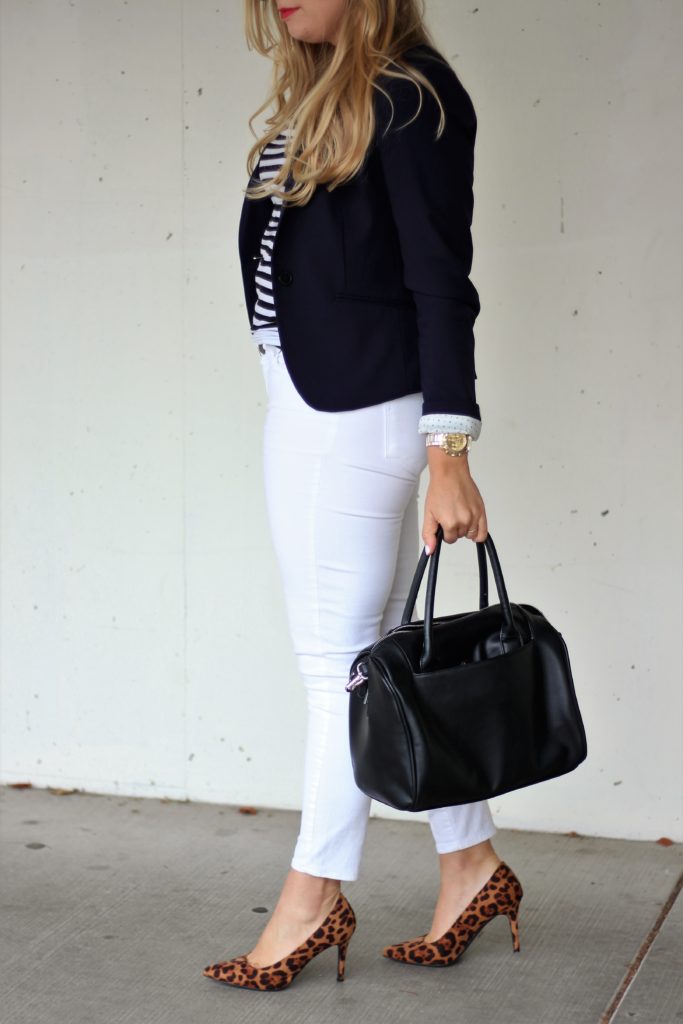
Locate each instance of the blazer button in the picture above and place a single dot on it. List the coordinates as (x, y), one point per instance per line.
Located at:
(285, 277)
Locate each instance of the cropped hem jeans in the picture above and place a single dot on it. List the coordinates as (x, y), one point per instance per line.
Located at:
(342, 504)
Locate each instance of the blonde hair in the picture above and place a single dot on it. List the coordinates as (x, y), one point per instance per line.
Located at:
(324, 93)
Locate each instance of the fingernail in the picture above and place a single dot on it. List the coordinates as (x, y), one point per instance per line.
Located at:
(426, 549)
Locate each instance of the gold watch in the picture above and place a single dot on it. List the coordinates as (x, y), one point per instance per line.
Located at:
(452, 444)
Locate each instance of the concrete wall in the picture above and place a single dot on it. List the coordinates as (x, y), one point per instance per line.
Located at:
(138, 578)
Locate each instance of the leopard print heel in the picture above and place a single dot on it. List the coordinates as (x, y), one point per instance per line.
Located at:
(500, 895)
(335, 930)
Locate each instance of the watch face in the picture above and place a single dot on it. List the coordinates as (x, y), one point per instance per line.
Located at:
(456, 443)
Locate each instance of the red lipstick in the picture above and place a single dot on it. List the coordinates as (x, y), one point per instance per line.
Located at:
(286, 11)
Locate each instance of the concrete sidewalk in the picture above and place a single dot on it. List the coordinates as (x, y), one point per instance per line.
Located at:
(111, 907)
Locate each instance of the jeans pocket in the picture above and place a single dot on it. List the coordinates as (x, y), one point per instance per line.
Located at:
(401, 438)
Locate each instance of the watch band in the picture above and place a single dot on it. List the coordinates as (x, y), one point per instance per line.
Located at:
(453, 444)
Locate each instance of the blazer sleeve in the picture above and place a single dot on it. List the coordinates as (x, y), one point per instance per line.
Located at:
(429, 183)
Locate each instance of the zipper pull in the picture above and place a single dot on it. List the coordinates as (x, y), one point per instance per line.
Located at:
(359, 677)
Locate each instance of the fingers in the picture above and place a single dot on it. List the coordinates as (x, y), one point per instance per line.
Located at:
(481, 531)
(474, 528)
(429, 531)
(457, 506)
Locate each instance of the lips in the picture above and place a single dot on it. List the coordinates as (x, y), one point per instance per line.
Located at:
(286, 11)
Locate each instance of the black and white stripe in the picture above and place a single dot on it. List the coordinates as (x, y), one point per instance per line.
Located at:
(265, 314)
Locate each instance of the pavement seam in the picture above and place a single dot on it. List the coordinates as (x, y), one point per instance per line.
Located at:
(632, 970)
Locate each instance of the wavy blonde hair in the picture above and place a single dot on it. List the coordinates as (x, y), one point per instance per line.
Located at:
(324, 92)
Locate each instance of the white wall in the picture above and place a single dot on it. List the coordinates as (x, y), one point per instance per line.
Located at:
(145, 648)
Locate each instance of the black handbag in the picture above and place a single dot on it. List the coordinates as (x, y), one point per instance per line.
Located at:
(463, 707)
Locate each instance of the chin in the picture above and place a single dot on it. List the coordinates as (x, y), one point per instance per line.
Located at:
(305, 37)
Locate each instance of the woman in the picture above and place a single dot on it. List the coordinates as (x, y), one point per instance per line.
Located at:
(355, 249)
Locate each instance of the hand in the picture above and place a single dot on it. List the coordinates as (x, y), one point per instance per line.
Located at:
(453, 500)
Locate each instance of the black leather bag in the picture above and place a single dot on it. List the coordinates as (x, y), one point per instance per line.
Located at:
(463, 707)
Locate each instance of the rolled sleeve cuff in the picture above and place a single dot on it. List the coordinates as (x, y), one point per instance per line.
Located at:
(449, 423)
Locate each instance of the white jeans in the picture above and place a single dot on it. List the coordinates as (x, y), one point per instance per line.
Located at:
(342, 502)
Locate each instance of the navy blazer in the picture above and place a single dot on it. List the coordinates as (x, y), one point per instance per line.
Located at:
(371, 280)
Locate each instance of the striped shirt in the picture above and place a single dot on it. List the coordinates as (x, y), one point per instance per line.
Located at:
(264, 320)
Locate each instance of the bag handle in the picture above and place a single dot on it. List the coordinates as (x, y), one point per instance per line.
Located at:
(508, 632)
(419, 572)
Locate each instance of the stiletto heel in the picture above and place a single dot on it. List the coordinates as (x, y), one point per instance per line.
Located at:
(514, 928)
(500, 895)
(335, 930)
(341, 960)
